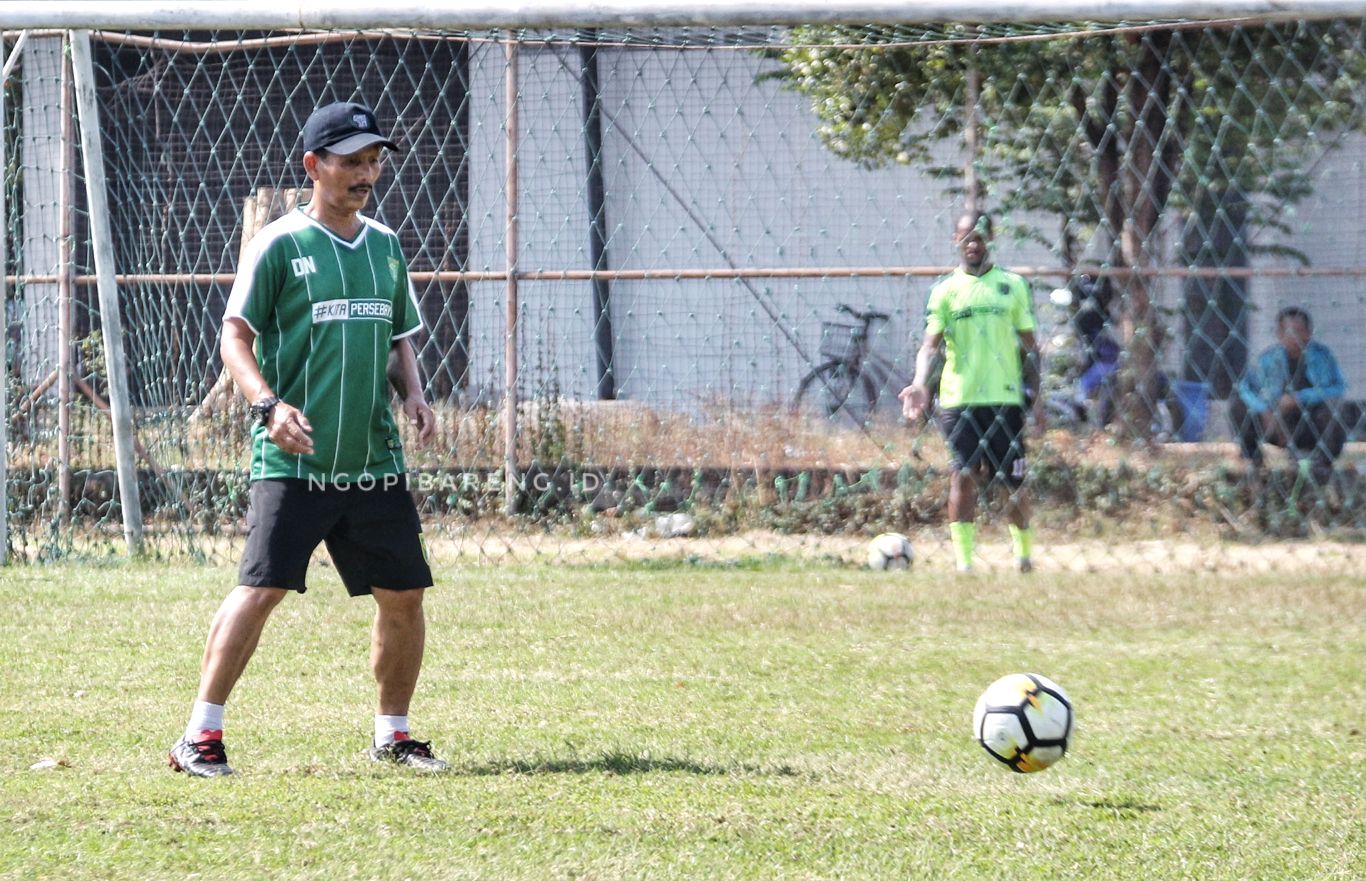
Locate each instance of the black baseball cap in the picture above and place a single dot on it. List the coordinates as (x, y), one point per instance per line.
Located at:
(343, 128)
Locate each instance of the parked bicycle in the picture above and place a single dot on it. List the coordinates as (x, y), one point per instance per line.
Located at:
(848, 383)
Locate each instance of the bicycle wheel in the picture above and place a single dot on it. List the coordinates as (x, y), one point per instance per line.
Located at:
(834, 393)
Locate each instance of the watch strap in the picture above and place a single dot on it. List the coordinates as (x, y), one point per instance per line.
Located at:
(263, 408)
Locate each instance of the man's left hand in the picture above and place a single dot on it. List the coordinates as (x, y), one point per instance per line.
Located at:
(420, 414)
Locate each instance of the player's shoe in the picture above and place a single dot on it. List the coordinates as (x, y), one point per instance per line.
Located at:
(205, 757)
(1026, 565)
(416, 754)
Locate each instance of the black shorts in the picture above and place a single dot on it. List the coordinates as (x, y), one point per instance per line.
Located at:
(990, 437)
(372, 533)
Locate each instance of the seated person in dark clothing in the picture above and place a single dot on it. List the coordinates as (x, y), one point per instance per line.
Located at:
(1100, 362)
(1290, 398)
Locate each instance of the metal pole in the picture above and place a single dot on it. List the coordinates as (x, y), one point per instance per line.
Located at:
(177, 15)
(4, 320)
(66, 272)
(511, 493)
(111, 323)
(7, 64)
(597, 221)
(667, 273)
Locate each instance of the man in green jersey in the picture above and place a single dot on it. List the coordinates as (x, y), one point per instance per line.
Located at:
(984, 318)
(315, 334)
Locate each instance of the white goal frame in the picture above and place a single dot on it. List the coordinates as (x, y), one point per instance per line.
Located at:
(21, 18)
(457, 14)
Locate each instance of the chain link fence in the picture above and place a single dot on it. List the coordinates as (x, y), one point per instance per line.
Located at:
(672, 280)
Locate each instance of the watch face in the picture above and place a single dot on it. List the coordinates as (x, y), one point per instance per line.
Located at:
(261, 409)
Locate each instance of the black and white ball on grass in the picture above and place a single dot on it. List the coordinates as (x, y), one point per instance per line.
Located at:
(1024, 721)
(890, 550)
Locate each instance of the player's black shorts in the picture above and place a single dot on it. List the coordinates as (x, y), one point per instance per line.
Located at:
(372, 532)
(990, 437)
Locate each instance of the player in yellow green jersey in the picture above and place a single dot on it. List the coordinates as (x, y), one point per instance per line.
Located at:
(983, 316)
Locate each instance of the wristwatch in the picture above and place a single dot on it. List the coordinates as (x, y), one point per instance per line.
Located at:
(261, 410)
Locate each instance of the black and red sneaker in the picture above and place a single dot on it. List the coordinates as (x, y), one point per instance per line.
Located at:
(404, 750)
(204, 757)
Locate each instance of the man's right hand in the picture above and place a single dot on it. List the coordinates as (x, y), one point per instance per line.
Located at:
(289, 430)
(915, 400)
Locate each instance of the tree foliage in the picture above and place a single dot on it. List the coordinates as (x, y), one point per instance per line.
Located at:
(1106, 132)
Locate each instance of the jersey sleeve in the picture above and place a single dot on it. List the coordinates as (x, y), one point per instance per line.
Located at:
(934, 311)
(407, 317)
(1024, 305)
(257, 285)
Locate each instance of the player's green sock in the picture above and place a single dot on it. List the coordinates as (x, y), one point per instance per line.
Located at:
(1023, 541)
(963, 536)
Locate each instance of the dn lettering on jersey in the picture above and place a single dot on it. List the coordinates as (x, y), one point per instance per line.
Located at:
(303, 266)
(353, 310)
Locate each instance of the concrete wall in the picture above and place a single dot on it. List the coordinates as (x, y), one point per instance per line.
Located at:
(704, 168)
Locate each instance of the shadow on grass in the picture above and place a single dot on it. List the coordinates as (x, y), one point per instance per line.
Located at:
(1124, 808)
(618, 763)
(749, 563)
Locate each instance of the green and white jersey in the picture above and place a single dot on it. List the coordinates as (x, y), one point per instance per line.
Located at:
(980, 318)
(325, 312)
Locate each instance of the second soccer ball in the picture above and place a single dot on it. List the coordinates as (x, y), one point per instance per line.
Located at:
(890, 550)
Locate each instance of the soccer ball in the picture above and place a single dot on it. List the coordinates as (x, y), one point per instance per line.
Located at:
(1024, 721)
(890, 550)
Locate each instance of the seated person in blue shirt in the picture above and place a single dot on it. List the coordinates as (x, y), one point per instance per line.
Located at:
(1290, 398)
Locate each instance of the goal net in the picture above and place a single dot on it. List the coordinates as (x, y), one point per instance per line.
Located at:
(673, 279)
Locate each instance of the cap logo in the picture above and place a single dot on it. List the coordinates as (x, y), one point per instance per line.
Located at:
(343, 127)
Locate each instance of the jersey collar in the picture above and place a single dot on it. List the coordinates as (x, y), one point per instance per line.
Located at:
(963, 272)
(352, 244)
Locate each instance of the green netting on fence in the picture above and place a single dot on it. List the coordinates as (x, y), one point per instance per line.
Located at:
(693, 207)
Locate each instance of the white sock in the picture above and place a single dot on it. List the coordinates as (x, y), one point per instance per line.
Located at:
(204, 716)
(387, 726)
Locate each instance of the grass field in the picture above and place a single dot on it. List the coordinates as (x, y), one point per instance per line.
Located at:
(759, 720)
